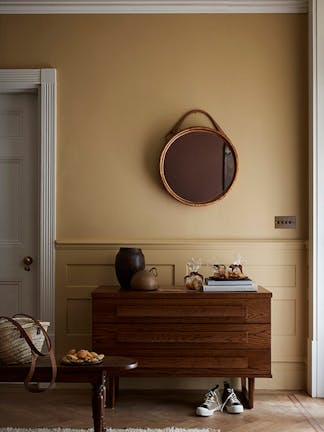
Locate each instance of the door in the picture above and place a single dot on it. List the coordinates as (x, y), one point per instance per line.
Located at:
(18, 203)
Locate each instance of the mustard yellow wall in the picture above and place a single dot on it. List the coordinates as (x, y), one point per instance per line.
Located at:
(123, 80)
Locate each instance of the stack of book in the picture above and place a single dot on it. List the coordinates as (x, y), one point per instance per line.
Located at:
(229, 285)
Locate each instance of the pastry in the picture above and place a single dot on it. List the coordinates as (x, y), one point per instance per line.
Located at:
(82, 356)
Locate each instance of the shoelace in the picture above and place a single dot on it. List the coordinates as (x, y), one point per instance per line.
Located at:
(212, 396)
(232, 397)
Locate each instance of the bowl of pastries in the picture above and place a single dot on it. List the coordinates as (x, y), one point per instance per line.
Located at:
(82, 357)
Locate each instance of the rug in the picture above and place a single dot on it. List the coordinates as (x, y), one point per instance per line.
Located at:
(169, 429)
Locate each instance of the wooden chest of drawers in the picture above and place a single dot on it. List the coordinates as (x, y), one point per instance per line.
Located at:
(177, 332)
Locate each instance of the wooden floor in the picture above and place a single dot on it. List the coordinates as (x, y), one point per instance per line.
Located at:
(274, 411)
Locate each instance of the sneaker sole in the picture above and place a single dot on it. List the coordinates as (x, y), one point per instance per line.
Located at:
(235, 410)
(204, 412)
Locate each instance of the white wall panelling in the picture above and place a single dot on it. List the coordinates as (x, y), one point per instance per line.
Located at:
(276, 265)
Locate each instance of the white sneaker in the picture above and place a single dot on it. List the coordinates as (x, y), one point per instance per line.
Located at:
(212, 403)
(230, 400)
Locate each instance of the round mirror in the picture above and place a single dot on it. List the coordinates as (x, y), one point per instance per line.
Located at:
(198, 165)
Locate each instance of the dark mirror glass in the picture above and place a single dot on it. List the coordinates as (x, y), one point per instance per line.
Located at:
(198, 166)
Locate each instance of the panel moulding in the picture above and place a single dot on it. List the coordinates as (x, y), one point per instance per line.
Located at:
(285, 312)
(215, 244)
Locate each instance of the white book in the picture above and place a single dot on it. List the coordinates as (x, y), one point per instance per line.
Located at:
(227, 282)
(230, 288)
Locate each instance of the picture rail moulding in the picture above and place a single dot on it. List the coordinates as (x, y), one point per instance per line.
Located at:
(152, 6)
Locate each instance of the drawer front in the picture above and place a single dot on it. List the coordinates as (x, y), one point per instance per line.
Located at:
(184, 311)
(212, 363)
(173, 337)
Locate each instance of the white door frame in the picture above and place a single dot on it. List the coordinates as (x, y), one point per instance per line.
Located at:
(316, 195)
(43, 82)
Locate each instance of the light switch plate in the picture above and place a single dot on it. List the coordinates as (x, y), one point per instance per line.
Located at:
(285, 222)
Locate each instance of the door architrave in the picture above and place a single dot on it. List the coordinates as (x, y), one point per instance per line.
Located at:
(42, 82)
(315, 377)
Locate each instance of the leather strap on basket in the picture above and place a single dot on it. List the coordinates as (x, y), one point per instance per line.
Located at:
(35, 353)
(176, 127)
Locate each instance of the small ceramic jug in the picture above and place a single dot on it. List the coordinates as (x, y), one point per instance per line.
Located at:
(145, 280)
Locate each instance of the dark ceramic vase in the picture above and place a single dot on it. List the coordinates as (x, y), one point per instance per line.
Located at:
(128, 261)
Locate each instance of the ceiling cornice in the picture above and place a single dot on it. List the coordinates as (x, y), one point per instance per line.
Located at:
(151, 6)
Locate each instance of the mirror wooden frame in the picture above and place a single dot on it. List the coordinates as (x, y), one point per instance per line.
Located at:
(175, 136)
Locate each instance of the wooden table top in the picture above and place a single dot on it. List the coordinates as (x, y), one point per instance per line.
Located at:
(112, 365)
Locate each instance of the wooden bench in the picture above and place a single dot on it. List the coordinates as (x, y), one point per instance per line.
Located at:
(96, 375)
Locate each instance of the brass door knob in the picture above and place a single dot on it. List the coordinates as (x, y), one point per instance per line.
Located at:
(28, 260)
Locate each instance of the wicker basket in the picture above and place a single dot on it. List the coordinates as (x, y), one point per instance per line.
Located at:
(13, 348)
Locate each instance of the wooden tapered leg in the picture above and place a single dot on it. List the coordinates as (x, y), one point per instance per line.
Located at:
(247, 393)
(251, 393)
(116, 386)
(113, 388)
(243, 384)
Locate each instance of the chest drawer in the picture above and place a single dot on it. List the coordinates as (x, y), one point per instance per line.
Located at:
(187, 311)
(190, 337)
(224, 363)
(177, 332)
